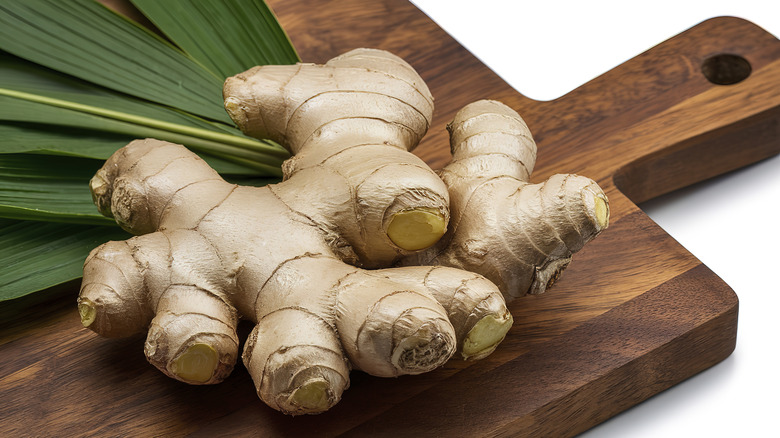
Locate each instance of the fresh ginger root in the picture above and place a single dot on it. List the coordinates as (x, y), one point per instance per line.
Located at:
(292, 257)
(521, 236)
(208, 252)
(352, 121)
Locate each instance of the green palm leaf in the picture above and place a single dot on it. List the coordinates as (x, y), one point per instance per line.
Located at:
(78, 81)
(59, 140)
(29, 93)
(23, 109)
(87, 40)
(18, 76)
(47, 187)
(39, 139)
(39, 255)
(246, 32)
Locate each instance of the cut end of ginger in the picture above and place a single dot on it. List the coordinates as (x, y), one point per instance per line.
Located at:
(485, 336)
(314, 396)
(87, 312)
(417, 228)
(602, 212)
(197, 364)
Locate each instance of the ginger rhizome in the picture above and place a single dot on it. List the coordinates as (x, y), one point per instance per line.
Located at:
(291, 257)
(521, 236)
(294, 257)
(352, 121)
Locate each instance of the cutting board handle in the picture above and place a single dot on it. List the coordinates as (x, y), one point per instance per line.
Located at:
(701, 104)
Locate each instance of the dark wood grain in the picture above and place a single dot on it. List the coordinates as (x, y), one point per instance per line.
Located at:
(634, 314)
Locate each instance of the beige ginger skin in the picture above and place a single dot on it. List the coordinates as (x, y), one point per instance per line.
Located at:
(290, 257)
(521, 236)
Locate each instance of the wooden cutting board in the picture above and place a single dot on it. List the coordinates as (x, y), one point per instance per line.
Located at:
(634, 314)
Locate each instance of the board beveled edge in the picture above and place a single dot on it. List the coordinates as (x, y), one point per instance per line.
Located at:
(539, 389)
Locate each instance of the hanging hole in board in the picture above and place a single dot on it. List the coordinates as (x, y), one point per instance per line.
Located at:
(726, 69)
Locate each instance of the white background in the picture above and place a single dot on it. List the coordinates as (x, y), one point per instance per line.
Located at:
(731, 223)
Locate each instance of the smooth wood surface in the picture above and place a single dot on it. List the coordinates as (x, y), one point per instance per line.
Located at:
(634, 313)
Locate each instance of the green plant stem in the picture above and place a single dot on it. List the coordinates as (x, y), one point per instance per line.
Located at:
(240, 142)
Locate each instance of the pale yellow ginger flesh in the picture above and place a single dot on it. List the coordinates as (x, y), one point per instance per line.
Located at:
(290, 257)
(601, 212)
(416, 229)
(197, 363)
(521, 236)
(485, 336)
(87, 312)
(312, 395)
